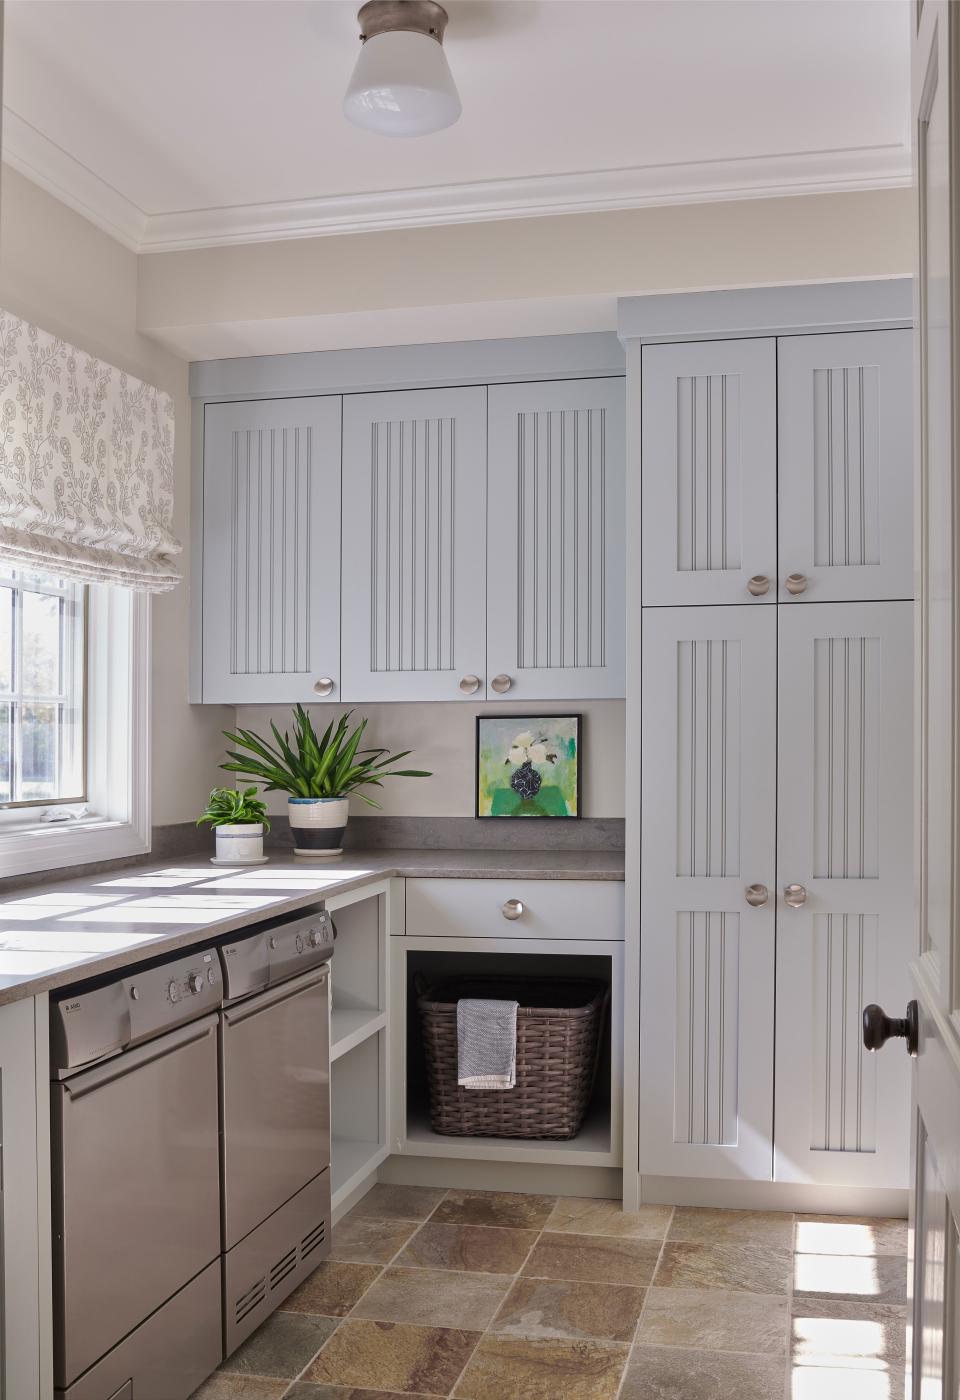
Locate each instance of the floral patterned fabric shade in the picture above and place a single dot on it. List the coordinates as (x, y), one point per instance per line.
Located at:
(86, 465)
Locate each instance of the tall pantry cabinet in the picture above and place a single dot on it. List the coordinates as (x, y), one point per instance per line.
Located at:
(775, 664)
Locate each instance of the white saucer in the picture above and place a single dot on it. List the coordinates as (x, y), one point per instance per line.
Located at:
(261, 860)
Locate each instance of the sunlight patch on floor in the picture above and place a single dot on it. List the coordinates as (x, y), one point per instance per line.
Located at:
(835, 1237)
(836, 1275)
(837, 1383)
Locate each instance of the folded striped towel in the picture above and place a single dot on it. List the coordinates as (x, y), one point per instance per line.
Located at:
(486, 1043)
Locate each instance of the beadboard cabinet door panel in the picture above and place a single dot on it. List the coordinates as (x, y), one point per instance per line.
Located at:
(707, 951)
(845, 465)
(556, 590)
(709, 490)
(845, 846)
(414, 522)
(271, 551)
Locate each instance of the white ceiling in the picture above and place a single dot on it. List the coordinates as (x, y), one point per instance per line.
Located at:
(184, 123)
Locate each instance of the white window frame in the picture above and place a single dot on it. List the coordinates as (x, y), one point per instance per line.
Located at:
(117, 820)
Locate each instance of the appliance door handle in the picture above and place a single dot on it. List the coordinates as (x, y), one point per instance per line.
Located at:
(86, 1081)
(274, 996)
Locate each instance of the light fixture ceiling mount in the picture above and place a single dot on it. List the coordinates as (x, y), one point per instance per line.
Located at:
(402, 85)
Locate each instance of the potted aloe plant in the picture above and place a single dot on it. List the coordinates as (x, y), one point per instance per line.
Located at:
(318, 774)
(239, 819)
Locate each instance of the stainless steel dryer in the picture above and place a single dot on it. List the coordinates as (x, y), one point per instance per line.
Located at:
(275, 1107)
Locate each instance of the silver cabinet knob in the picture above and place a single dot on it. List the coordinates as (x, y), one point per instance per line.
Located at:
(323, 686)
(470, 685)
(501, 684)
(795, 896)
(758, 585)
(512, 909)
(796, 583)
(757, 895)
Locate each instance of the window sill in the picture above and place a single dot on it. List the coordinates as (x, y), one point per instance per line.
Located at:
(48, 846)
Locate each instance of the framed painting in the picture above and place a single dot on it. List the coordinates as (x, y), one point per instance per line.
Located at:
(528, 766)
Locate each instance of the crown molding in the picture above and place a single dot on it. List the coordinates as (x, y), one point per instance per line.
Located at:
(770, 176)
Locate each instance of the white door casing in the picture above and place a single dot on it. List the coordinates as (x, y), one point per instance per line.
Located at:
(414, 577)
(271, 551)
(709, 486)
(845, 446)
(844, 835)
(707, 955)
(555, 539)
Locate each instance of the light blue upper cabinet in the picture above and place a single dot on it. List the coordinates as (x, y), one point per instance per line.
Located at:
(555, 541)
(414, 506)
(271, 551)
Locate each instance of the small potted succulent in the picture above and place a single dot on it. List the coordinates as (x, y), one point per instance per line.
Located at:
(318, 774)
(239, 818)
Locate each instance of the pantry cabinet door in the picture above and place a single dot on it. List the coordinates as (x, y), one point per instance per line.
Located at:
(846, 466)
(844, 875)
(709, 491)
(271, 551)
(707, 892)
(414, 524)
(555, 541)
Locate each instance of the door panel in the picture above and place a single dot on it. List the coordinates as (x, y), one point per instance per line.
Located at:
(707, 955)
(414, 510)
(555, 567)
(271, 550)
(843, 835)
(845, 447)
(709, 445)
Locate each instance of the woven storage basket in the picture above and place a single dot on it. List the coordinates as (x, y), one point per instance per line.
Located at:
(559, 1022)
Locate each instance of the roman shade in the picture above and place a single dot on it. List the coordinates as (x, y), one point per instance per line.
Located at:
(86, 465)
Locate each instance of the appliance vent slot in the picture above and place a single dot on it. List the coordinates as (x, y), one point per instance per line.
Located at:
(316, 1237)
(283, 1267)
(249, 1300)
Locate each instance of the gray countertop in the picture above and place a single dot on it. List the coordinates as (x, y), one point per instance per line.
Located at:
(56, 934)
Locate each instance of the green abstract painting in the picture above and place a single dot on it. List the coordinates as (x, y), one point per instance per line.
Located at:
(528, 766)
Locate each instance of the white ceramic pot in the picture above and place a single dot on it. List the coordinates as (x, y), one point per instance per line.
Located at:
(240, 843)
(318, 824)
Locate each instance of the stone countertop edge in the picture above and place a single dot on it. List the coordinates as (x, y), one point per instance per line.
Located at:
(377, 866)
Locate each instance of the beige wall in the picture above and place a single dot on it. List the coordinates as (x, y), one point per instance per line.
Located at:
(59, 271)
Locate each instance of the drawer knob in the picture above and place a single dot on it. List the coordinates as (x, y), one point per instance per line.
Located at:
(470, 685)
(758, 585)
(512, 909)
(501, 684)
(796, 583)
(795, 895)
(757, 895)
(323, 686)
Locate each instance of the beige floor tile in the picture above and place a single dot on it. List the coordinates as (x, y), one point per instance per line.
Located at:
(684, 1264)
(579, 1215)
(857, 1278)
(671, 1373)
(537, 1307)
(434, 1297)
(827, 1332)
(593, 1258)
(835, 1234)
(509, 1208)
(845, 1383)
(307, 1390)
(361, 1239)
(281, 1346)
(774, 1229)
(387, 1202)
(522, 1368)
(393, 1356)
(220, 1386)
(332, 1289)
(712, 1320)
(473, 1248)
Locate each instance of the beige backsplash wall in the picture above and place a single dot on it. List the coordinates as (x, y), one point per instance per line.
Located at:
(442, 737)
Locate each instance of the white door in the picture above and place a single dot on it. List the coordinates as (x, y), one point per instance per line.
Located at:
(707, 892)
(271, 551)
(845, 886)
(414, 522)
(845, 426)
(709, 491)
(934, 1353)
(555, 540)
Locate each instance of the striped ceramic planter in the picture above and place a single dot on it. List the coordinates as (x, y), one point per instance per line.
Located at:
(318, 824)
(240, 843)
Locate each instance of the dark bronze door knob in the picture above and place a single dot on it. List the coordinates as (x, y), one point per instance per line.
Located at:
(878, 1027)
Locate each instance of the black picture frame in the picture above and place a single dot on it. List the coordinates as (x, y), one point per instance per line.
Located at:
(535, 720)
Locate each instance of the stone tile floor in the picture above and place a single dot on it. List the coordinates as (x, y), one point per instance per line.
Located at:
(492, 1296)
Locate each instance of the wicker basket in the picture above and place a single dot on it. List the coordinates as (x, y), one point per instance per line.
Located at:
(559, 1024)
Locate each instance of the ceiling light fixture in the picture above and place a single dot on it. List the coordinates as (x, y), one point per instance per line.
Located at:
(402, 85)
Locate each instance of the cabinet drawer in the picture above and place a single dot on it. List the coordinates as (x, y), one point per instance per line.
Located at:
(449, 908)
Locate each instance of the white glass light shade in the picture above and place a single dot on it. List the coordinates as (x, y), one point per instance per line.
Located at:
(402, 86)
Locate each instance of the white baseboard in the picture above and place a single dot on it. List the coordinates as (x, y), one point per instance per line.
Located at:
(774, 1195)
(602, 1183)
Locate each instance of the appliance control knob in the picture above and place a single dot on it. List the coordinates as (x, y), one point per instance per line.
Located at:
(299, 942)
(211, 976)
(173, 992)
(314, 938)
(195, 983)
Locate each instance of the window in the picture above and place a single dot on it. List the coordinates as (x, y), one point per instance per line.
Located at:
(42, 689)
